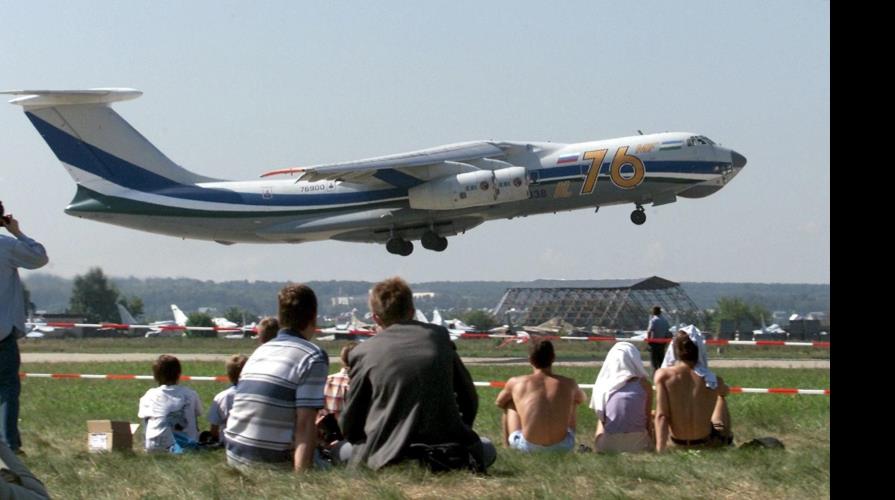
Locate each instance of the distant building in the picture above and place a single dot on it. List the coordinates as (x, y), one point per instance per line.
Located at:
(619, 306)
(341, 301)
(804, 329)
(423, 295)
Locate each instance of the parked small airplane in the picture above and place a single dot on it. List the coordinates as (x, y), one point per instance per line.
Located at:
(39, 329)
(224, 323)
(425, 195)
(351, 328)
(169, 328)
(454, 326)
(774, 329)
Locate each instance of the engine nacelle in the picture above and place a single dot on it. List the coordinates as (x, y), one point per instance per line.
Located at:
(471, 189)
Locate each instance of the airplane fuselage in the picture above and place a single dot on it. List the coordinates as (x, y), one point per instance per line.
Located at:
(422, 195)
(286, 210)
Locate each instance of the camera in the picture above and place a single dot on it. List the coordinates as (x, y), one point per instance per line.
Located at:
(4, 219)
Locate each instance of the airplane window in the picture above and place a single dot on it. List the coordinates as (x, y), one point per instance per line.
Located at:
(691, 140)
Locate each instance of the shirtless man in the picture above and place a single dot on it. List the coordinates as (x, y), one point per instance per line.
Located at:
(687, 404)
(539, 409)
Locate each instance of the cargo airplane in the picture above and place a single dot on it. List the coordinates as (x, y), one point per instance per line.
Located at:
(424, 195)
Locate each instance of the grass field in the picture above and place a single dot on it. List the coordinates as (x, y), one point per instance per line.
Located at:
(54, 434)
(565, 349)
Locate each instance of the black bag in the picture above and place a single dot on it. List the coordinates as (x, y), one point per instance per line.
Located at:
(330, 430)
(764, 442)
(445, 457)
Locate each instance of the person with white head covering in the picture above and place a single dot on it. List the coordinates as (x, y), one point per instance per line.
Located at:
(690, 404)
(622, 400)
(702, 365)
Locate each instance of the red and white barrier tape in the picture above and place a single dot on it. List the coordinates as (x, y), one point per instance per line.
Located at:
(718, 342)
(367, 333)
(494, 383)
(733, 390)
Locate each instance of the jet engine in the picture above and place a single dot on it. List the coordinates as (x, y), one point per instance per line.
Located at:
(471, 189)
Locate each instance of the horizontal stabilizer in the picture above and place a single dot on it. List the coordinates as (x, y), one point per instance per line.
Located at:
(40, 98)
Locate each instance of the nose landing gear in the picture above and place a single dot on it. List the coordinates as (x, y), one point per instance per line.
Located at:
(638, 216)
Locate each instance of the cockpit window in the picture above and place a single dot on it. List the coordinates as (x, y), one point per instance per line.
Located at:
(699, 140)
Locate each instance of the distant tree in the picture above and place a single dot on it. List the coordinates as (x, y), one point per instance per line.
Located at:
(133, 304)
(236, 314)
(738, 311)
(482, 320)
(94, 297)
(199, 319)
(708, 316)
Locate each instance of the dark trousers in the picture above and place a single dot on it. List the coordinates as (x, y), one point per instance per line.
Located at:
(10, 387)
(657, 354)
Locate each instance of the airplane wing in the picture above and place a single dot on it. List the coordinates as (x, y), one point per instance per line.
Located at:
(406, 169)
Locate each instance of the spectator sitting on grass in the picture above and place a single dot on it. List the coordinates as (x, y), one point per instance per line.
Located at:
(280, 390)
(337, 386)
(539, 409)
(690, 404)
(169, 411)
(623, 402)
(219, 409)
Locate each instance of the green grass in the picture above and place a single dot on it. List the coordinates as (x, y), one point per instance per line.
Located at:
(565, 349)
(54, 434)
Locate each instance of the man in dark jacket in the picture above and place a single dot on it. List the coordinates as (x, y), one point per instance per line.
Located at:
(408, 386)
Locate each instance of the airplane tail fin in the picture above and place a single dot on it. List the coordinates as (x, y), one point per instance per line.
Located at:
(179, 317)
(419, 316)
(98, 148)
(126, 316)
(436, 318)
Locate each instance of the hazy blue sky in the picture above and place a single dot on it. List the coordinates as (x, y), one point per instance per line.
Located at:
(233, 89)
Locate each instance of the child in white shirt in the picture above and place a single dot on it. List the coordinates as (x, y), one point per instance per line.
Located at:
(169, 411)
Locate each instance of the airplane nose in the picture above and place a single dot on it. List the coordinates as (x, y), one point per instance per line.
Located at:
(738, 160)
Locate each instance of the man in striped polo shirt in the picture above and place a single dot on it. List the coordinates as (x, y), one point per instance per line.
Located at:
(279, 391)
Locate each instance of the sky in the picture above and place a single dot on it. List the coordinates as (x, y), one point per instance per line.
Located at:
(234, 89)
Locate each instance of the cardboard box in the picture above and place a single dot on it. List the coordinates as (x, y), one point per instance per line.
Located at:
(108, 435)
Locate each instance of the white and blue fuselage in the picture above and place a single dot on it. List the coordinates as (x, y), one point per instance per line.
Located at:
(124, 180)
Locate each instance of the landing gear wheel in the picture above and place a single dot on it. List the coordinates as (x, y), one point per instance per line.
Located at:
(406, 249)
(394, 246)
(432, 241)
(638, 216)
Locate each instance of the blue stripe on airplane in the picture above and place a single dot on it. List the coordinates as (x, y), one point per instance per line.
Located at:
(676, 167)
(89, 158)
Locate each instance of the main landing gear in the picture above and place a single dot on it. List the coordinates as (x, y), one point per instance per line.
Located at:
(434, 242)
(638, 216)
(399, 246)
(430, 240)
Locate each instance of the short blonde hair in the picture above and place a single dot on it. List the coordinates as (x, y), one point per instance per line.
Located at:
(392, 301)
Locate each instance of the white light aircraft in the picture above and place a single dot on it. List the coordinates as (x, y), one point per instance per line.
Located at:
(224, 323)
(424, 195)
